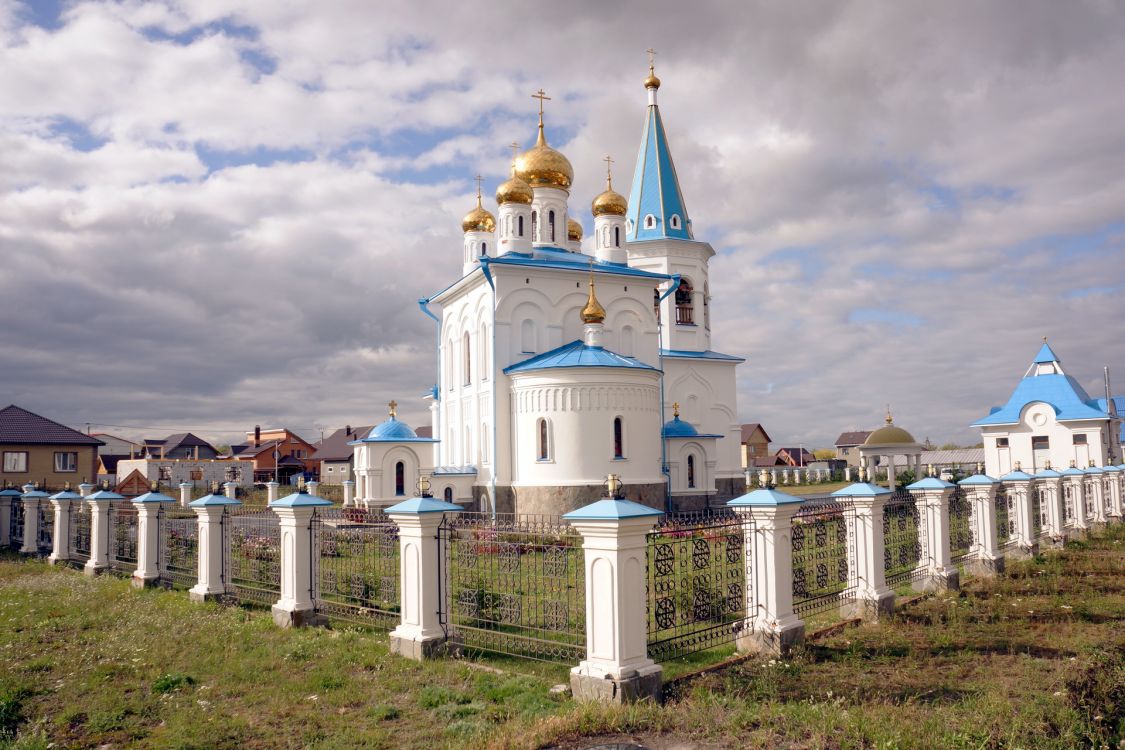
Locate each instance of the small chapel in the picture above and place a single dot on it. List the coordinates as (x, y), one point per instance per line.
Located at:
(559, 365)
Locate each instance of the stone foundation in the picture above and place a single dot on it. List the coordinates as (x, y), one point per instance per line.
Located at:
(949, 580)
(728, 489)
(630, 687)
(422, 650)
(984, 568)
(199, 598)
(299, 618)
(871, 610)
(771, 642)
(144, 583)
(1021, 552)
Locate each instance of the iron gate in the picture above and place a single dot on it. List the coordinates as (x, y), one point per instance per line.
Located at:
(46, 526)
(80, 520)
(253, 555)
(357, 567)
(123, 537)
(15, 524)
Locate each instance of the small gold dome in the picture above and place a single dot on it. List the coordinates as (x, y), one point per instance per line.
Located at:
(593, 312)
(888, 434)
(542, 166)
(514, 190)
(610, 202)
(478, 220)
(652, 82)
(573, 230)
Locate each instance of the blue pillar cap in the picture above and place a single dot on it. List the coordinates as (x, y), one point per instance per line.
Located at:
(929, 483)
(104, 495)
(153, 497)
(300, 500)
(976, 479)
(419, 505)
(10, 492)
(610, 510)
(764, 497)
(65, 495)
(861, 489)
(1015, 476)
(213, 500)
(35, 493)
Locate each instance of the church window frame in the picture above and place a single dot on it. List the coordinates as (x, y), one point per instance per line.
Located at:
(528, 337)
(485, 343)
(551, 224)
(706, 306)
(519, 225)
(543, 446)
(691, 471)
(535, 226)
(400, 478)
(674, 222)
(650, 221)
(468, 358)
(484, 249)
(619, 438)
(685, 302)
(617, 236)
(447, 494)
(627, 342)
(484, 443)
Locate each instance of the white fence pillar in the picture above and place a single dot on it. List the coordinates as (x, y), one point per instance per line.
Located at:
(300, 548)
(214, 546)
(1018, 486)
(349, 493)
(420, 634)
(86, 489)
(1050, 482)
(1075, 493)
(986, 558)
(31, 499)
(874, 599)
(767, 523)
(614, 543)
(148, 538)
(1095, 485)
(1116, 509)
(100, 533)
(185, 494)
(933, 497)
(230, 489)
(271, 491)
(313, 487)
(62, 502)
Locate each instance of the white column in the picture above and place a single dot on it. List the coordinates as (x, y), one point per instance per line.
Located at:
(847, 473)
(874, 599)
(30, 500)
(99, 503)
(933, 497)
(767, 524)
(271, 491)
(1020, 491)
(148, 538)
(230, 489)
(986, 558)
(1073, 481)
(763, 478)
(60, 543)
(349, 493)
(1052, 496)
(1115, 503)
(86, 489)
(185, 494)
(300, 547)
(419, 634)
(773, 477)
(614, 543)
(1097, 490)
(890, 472)
(312, 487)
(214, 547)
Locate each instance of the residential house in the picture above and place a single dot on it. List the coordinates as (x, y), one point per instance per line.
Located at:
(335, 454)
(755, 445)
(847, 446)
(39, 450)
(170, 472)
(794, 457)
(181, 445)
(279, 453)
(117, 446)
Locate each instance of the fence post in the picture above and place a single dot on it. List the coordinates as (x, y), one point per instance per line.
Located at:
(62, 502)
(7, 497)
(1115, 509)
(230, 489)
(300, 548)
(148, 538)
(933, 497)
(986, 559)
(100, 532)
(1018, 485)
(214, 546)
(349, 493)
(271, 491)
(1050, 480)
(185, 494)
(1097, 491)
(1072, 484)
(767, 523)
(615, 544)
(874, 599)
(420, 633)
(30, 501)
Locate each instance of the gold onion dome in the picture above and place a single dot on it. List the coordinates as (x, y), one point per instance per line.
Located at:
(610, 202)
(478, 220)
(593, 312)
(888, 434)
(573, 230)
(542, 166)
(514, 190)
(652, 82)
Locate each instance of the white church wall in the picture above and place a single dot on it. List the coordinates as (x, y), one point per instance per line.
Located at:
(1037, 420)
(705, 390)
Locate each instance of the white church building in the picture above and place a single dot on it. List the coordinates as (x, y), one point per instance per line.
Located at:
(1051, 422)
(559, 367)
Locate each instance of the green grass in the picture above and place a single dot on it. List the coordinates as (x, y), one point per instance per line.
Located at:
(1033, 659)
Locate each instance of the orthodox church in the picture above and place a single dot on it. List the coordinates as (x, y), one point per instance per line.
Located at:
(559, 367)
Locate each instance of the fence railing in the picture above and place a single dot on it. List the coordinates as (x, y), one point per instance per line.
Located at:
(698, 573)
(123, 538)
(1005, 517)
(46, 526)
(1038, 512)
(960, 525)
(514, 584)
(16, 524)
(357, 570)
(178, 546)
(902, 538)
(254, 555)
(80, 527)
(824, 543)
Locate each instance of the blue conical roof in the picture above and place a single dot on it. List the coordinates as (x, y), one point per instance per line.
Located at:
(1046, 355)
(656, 189)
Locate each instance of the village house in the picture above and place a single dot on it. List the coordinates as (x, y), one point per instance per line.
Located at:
(41, 451)
(755, 446)
(847, 445)
(279, 454)
(335, 454)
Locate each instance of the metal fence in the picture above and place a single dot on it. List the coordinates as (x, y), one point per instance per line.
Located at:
(698, 575)
(1038, 512)
(1088, 501)
(1068, 505)
(15, 524)
(1005, 516)
(46, 526)
(357, 571)
(254, 555)
(902, 538)
(823, 540)
(80, 518)
(123, 537)
(178, 546)
(960, 525)
(514, 584)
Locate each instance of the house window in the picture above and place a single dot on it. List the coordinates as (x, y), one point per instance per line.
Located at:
(691, 472)
(15, 462)
(468, 360)
(551, 224)
(544, 448)
(1079, 439)
(233, 474)
(400, 479)
(675, 221)
(1040, 442)
(66, 461)
(448, 494)
(328, 470)
(1001, 442)
(650, 221)
(618, 438)
(196, 475)
(164, 473)
(685, 312)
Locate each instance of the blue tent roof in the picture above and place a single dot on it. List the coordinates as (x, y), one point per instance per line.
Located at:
(392, 431)
(577, 354)
(1061, 392)
(608, 510)
(1015, 476)
(656, 189)
(1047, 474)
(1046, 355)
(977, 479)
(764, 497)
(929, 483)
(861, 489)
(418, 505)
(709, 354)
(554, 257)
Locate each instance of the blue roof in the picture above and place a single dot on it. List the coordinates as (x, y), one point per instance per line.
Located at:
(1047, 474)
(11, 492)
(609, 510)
(1090, 470)
(765, 497)
(977, 479)
(65, 495)
(153, 497)
(300, 500)
(213, 499)
(104, 495)
(1046, 355)
(418, 505)
(577, 354)
(677, 428)
(656, 189)
(1015, 476)
(35, 493)
(1111, 467)
(861, 489)
(392, 431)
(700, 355)
(554, 257)
(1072, 472)
(929, 483)
(1061, 392)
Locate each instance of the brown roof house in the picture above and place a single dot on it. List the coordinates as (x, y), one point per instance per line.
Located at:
(794, 457)
(755, 446)
(336, 455)
(294, 454)
(39, 450)
(847, 445)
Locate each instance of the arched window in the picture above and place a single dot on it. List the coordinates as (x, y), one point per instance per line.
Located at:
(655, 305)
(618, 438)
(627, 341)
(519, 222)
(484, 344)
(400, 479)
(551, 224)
(691, 472)
(535, 226)
(448, 494)
(650, 221)
(543, 441)
(675, 221)
(706, 307)
(527, 336)
(468, 360)
(484, 443)
(685, 311)
(483, 249)
(617, 236)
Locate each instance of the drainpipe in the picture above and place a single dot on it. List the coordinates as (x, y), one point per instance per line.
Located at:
(424, 305)
(660, 359)
(484, 261)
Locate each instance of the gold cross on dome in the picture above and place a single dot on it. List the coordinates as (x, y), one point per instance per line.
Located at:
(541, 95)
(676, 409)
(393, 406)
(608, 166)
(515, 146)
(479, 180)
(651, 56)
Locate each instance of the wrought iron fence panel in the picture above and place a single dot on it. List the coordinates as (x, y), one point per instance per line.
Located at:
(514, 584)
(1107, 497)
(1038, 512)
(960, 525)
(697, 575)
(46, 526)
(123, 537)
(15, 523)
(1068, 504)
(358, 567)
(902, 538)
(1005, 516)
(178, 543)
(823, 540)
(1088, 501)
(80, 520)
(254, 556)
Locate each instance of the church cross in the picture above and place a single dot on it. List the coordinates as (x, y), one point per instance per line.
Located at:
(676, 409)
(393, 406)
(541, 95)
(651, 57)
(608, 166)
(479, 180)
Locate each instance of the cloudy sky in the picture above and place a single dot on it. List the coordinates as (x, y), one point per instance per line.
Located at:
(220, 213)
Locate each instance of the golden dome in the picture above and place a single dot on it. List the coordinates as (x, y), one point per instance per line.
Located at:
(888, 434)
(610, 202)
(593, 312)
(542, 166)
(514, 190)
(573, 230)
(478, 220)
(652, 82)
